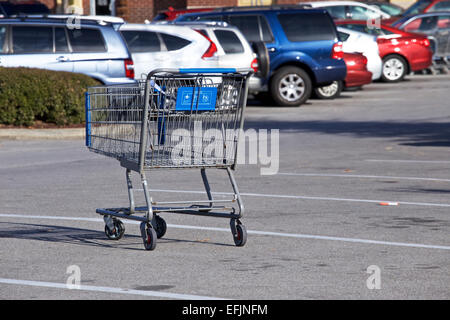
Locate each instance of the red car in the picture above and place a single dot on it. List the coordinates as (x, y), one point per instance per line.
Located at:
(171, 13)
(401, 51)
(357, 76)
(357, 73)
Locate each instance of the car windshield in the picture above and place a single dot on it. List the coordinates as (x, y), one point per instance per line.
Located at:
(417, 7)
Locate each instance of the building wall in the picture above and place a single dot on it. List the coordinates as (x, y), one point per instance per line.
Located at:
(49, 3)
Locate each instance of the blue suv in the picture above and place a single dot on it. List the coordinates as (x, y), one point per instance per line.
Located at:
(298, 49)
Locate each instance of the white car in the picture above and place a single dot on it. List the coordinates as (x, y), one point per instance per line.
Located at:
(167, 46)
(354, 41)
(233, 49)
(349, 10)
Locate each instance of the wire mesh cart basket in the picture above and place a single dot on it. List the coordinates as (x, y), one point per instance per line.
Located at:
(174, 119)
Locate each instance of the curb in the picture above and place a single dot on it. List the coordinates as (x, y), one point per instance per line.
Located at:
(42, 134)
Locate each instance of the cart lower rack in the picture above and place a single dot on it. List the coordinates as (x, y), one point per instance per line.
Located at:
(174, 119)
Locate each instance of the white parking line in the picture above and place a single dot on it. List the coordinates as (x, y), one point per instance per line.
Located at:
(262, 233)
(281, 196)
(409, 161)
(158, 294)
(360, 176)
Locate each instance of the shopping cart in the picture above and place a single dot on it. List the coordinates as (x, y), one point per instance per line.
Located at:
(175, 118)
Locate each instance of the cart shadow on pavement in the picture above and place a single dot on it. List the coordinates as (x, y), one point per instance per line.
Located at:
(416, 134)
(78, 236)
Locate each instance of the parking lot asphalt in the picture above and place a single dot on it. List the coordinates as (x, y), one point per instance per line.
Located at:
(363, 181)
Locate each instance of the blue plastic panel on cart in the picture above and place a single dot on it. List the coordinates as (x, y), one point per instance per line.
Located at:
(201, 99)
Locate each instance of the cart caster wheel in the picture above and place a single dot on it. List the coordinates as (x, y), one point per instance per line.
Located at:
(161, 227)
(240, 237)
(148, 236)
(117, 232)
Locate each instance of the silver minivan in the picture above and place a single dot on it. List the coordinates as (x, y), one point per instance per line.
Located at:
(90, 47)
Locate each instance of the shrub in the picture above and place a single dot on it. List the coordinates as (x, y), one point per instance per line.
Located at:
(27, 95)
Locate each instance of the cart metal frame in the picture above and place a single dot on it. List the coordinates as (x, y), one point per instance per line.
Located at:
(144, 112)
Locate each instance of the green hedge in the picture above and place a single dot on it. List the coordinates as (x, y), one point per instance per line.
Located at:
(27, 95)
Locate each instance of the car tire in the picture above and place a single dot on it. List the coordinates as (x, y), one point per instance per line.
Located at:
(331, 91)
(290, 86)
(262, 55)
(394, 68)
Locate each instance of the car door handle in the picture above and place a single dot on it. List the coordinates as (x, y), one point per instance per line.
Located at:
(62, 59)
(271, 49)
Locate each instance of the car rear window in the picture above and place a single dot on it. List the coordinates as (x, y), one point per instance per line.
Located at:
(307, 27)
(142, 41)
(32, 39)
(343, 36)
(86, 40)
(173, 42)
(229, 41)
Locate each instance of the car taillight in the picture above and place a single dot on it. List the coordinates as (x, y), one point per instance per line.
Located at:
(425, 42)
(212, 49)
(337, 52)
(254, 65)
(382, 40)
(364, 61)
(129, 68)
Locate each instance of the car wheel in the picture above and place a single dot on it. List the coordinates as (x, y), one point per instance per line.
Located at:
(394, 68)
(329, 92)
(290, 86)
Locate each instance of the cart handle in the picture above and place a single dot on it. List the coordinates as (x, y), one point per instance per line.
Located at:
(200, 70)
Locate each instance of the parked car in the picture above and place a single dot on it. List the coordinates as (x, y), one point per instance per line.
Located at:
(31, 7)
(435, 26)
(154, 46)
(233, 50)
(357, 76)
(401, 52)
(350, 10)
(354, 41)
(391, 9)
(427, 23)
(299, 61)
(95, 49)
(424, 6)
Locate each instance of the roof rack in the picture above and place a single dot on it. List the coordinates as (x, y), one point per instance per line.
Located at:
(205, 23)
(269, 7)
(102, 20)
